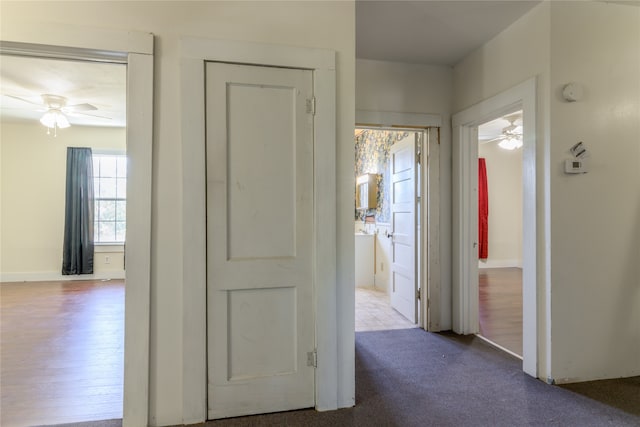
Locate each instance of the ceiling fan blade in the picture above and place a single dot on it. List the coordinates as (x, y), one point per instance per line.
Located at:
(81, 107)
(497, 139)
(39, 104)
(512, 135)
(25, 108)
(78, 113)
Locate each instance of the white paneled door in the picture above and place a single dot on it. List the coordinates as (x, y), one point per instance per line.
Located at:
(402, 167)
(260, 308)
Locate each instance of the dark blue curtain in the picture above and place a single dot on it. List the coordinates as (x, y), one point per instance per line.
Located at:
(78, 214)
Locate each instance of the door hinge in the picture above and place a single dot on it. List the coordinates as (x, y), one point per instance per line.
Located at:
(418, 293)
(312, 358)
(311, 106)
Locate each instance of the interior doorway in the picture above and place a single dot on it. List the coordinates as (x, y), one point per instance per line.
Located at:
(73, 329)
(466, 213)
(387, 227)
(500, 232)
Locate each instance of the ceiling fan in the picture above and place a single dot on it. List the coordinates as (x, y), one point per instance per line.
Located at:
(56, 110)
(511, 137)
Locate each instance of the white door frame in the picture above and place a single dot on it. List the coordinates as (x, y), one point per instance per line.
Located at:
(136, 50)
(465, 213)
(194, 52)
(429, 262)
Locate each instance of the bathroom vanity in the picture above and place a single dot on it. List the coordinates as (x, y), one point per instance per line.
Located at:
(365, 259)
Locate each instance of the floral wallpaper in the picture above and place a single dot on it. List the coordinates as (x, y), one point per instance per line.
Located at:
(372, 156)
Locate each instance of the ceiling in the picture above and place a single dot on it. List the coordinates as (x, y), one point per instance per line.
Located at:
(431, 32)
(102, 85)
(422, 32)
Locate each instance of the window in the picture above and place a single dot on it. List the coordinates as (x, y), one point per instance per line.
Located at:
(110, 192)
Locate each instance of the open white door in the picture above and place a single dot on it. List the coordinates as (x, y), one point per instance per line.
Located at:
(260, 239)
(403, 170)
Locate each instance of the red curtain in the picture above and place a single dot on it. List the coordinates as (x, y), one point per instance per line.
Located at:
(483, 211)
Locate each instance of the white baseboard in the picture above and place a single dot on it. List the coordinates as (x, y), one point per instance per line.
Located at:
(54, 276)
(500, 263)
(380, 283)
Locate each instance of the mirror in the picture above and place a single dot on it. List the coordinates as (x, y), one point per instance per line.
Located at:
(367, 191)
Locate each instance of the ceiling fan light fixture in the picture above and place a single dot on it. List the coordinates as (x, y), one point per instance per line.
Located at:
(510, 143)
(62, 121)
(54, 119)
(48, 119)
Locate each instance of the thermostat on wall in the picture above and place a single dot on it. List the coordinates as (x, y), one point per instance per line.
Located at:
(575, 166)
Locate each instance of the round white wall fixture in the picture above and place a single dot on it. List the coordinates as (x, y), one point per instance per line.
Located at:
(572, 92)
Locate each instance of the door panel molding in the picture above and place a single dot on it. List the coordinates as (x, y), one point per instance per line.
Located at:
(403, 170)
(260, 312)
(331, 352)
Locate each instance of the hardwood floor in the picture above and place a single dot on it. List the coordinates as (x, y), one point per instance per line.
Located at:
(500, 311)
(62, 348)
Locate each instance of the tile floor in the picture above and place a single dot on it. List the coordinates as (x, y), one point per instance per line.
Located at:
(374, 312)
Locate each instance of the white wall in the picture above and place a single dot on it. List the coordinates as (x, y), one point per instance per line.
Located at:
(504, 182)
(588, 230)
(329, 25)
(33, 173)
(410, 88)
(595, 218)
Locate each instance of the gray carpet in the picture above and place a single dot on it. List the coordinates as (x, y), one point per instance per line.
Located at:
(413, 378)
(410, 377)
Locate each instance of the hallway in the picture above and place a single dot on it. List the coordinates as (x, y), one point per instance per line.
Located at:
(410, 377)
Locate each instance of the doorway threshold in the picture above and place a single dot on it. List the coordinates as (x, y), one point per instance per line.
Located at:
(498, 346)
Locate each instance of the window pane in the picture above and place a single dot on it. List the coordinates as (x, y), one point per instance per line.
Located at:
(110, 182)
(121, 211)
(107, 188)
(122, 166)
(121, 188)
(106, 210)
(107, 231)
(120, 231)
(108, 166)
